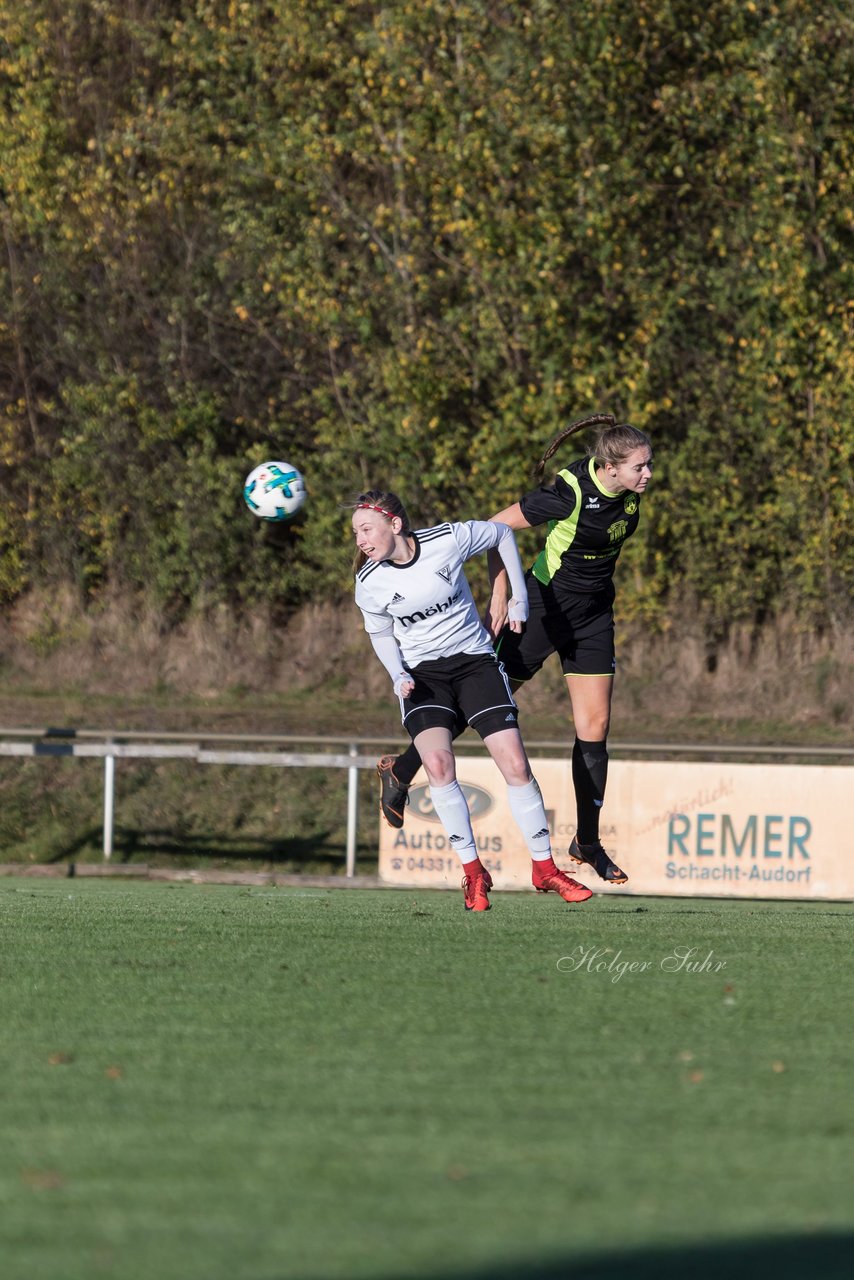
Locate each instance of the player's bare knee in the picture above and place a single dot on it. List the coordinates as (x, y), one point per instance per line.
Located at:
(439, 767)
(593, 729)
(521, 776)
(513, 765)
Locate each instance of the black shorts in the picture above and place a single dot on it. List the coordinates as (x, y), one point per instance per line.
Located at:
(580, 632)
(471, 687)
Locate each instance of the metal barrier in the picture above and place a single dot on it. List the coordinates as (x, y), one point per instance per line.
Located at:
(140, 745)
(49, 744)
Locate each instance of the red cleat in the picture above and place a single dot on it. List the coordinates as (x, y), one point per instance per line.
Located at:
(556, 881)
(476, 887)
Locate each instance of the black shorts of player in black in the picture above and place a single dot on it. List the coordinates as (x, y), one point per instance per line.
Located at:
(581, 634)
(466, 689)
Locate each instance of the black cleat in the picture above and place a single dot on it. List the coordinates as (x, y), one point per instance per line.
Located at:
(394, 795)
(596, 857)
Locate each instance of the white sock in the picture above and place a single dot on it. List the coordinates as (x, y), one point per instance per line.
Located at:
(453, 812)
(526, 805)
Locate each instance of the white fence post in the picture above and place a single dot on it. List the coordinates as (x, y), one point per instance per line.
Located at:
(109, 791)
(352, 810)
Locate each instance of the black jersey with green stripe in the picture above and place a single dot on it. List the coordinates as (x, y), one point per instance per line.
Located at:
(587, 528)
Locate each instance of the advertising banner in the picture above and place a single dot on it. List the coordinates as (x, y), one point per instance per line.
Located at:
(692, 829)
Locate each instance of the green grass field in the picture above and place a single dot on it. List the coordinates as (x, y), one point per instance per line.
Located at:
(219, 1083)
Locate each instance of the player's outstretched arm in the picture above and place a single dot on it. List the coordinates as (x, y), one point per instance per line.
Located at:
(388, 651)
(495, 618)
(517, 605)
(495, 614)
(511, 516)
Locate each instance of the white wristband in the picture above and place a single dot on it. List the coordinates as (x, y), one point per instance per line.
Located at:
(404, 680)
(517, 610)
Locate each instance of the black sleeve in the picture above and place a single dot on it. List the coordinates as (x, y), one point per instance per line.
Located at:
(553, 501)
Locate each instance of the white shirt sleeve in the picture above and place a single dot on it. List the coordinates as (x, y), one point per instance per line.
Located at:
(480, 535)
(376, 622)
(388, 651)
(509, 553)
(474, 536)
(380, 629)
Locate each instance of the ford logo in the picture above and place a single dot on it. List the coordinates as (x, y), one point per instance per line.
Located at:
(478, 801)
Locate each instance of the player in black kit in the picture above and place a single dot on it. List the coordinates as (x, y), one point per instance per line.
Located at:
(591, 507)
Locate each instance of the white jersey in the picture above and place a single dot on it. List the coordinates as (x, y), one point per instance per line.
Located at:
(427, 603)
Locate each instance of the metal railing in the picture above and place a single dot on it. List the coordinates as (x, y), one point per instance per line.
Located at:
(134, 744)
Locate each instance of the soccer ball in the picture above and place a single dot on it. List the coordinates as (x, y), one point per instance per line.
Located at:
(274, 491)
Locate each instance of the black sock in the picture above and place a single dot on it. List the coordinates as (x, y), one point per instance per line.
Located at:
(408, 762)
(407, 765)
(589, 775)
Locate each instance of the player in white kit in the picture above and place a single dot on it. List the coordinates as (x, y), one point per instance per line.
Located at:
(425, 629)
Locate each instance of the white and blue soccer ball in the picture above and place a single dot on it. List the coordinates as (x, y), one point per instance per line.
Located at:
(274, 491)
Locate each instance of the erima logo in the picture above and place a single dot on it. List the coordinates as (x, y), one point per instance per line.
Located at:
(396, 598)
(445, 573)
(422, 614)
(592, 502)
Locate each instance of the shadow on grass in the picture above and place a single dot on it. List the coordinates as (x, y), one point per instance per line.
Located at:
(820, 1257)
(131, 846)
